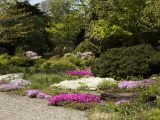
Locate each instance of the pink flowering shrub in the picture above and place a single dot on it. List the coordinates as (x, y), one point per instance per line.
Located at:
(79, 73)
(79, 98)
(134, 84)
(121, 102)
(8, 87)
(32, 93)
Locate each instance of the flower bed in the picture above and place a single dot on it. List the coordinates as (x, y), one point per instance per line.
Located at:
(9, 77)
(79, 73)
(20, 82)
(79, 98)
(8, 87)
(37, 94)
(134, 84)
(91, 83)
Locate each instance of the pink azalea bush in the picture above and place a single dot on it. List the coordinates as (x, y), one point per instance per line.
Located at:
(79, 73)
(79, 98)
(121, 102)
(134, 84)
(8, 87)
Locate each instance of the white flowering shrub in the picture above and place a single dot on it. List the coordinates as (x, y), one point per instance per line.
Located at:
(32, 55)
(85, 55)
(91, 83)
(20, 82)
(9, 77)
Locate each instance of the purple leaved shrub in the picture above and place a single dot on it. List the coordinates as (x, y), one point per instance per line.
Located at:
(79, 98)
(134, 84)
(79, 73)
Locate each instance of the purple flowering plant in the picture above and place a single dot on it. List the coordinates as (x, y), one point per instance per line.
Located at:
(8, 87)
(135, 84)
(43, 96)
(79, 73)
(79, 98)
(32, 93)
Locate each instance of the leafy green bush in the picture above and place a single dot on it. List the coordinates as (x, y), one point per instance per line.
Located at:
(73, 58)
(87, 46)
(4, 60)
(107, 85)
(58, 65)
(38, 62)
(18, 61)
(140, 60)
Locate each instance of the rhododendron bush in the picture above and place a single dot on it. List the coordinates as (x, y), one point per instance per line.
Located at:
(79, 98)
(91, 83)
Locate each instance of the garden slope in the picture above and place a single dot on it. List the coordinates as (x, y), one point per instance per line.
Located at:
(23, 108)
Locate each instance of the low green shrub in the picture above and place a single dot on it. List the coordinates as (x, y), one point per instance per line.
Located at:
(87, 46)
(58, 65)
(4, 60)
(18, 61)
(105, 85)
(140, 60)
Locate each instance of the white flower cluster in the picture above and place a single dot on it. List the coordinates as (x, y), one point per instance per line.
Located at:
(32, 55)
(91, 83)
(9, 77)
(85, 55)
(20, 82)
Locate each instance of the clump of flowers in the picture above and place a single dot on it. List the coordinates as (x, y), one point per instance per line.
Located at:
(91, 83)
(79, 73)
(9, 77)
(43, 96)
(32, 93)
(85, 55)
(79, 98)
(134, 84)
(121, 102)
(8, 87)
(20, 82)
(32, 55)
(37, 94)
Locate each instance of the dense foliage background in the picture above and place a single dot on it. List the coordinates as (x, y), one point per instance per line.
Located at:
(111, 29)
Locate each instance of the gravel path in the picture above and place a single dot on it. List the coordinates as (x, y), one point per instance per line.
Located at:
(23, 108)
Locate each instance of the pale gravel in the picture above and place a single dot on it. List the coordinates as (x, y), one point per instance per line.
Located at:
(24, 108)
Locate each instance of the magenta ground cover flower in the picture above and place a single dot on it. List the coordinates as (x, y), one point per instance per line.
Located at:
(79, 73)
(32, 93)
(134, 84)
(121, 102)
(80, 98)
(8, 87)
